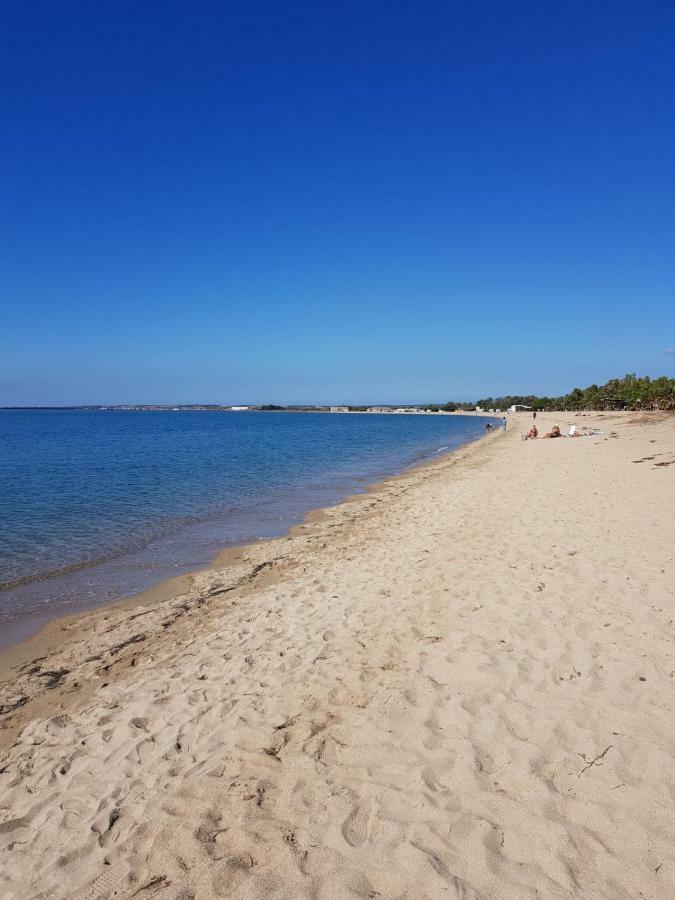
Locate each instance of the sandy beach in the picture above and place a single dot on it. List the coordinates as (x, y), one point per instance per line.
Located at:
(457, 685)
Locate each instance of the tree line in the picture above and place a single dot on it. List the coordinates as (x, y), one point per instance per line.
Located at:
(629, 392)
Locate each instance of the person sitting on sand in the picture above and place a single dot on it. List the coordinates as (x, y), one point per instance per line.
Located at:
(554, 432)
(532, 434)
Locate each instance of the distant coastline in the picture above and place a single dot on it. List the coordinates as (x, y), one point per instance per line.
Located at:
(632, 392)
(142, 407)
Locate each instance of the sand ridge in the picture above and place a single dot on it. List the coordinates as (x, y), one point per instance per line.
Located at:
(460, 685)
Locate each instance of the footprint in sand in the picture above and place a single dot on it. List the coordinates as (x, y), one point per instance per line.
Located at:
(460, 889)
(355, 826)
(434, 740)
(109, 883)
(432, 780)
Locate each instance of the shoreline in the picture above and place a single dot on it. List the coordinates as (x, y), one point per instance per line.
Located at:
(48, 635)
(456, 684)
(38, 618)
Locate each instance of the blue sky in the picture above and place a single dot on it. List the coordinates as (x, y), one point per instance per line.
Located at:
(354, 202)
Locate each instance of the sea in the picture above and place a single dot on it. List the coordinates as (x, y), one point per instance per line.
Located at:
(96, 505)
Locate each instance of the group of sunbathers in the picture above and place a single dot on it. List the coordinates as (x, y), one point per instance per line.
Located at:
(554, 433)
(533, 433)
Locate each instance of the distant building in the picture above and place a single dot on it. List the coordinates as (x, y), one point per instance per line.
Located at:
(339, 409)
(239, 408)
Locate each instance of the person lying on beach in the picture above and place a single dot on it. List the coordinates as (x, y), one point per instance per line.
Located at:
(554, 432)
(532, 434)
(574, 432)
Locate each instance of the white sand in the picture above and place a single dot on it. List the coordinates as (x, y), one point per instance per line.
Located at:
(459, 686)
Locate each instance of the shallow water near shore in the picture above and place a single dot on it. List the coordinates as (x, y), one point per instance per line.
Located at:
(99, 505)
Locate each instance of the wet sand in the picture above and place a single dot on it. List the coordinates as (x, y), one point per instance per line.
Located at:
(457, 685)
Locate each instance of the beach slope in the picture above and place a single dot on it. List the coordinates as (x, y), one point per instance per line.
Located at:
(458, 685)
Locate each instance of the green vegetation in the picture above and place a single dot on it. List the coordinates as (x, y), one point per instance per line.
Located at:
(629, 392)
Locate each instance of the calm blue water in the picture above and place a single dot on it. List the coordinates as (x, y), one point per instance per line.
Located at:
(98, 505)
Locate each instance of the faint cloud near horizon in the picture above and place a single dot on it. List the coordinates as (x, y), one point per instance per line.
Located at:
(669, 351)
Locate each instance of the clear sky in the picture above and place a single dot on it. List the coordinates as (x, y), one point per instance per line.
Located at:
(344, 202)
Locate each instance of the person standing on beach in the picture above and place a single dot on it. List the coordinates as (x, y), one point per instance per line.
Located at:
(534, 414)
(504, 422)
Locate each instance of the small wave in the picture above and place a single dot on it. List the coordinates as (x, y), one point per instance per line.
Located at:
(53, 573)
(441, 449)
(157, 531)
